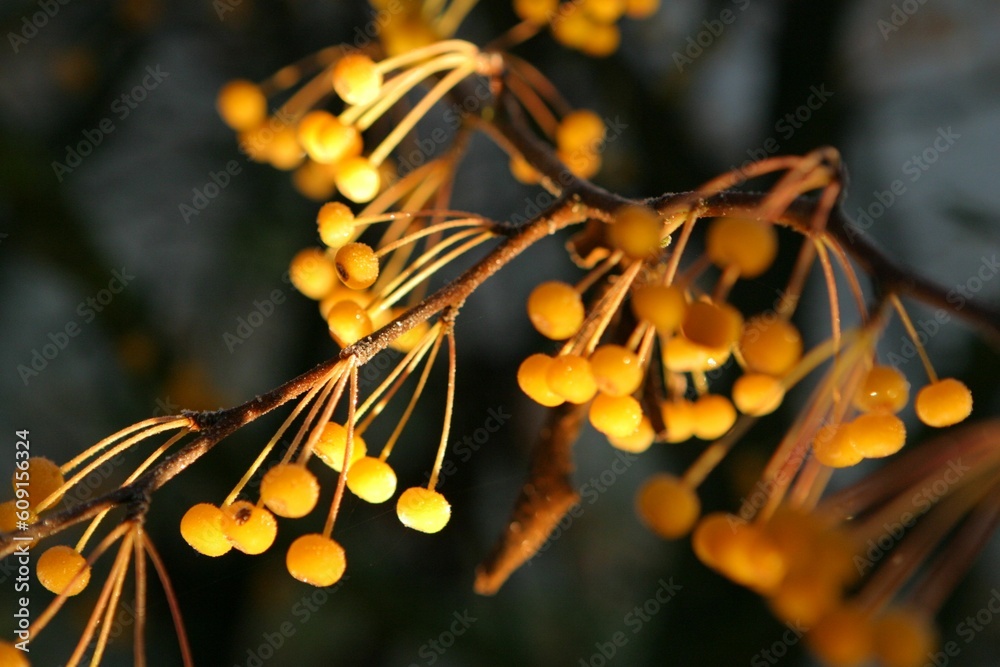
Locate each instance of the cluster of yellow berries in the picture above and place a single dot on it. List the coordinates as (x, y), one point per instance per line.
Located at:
(579, 140)
(590, 26)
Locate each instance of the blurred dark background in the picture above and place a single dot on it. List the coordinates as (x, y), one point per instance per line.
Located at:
(889, 83)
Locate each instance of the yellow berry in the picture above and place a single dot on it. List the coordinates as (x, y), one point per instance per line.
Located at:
(357, 265)
(336, 224)
(944, 403)
(637, 442)
(523, 171)
(312, 181)
(580, 131)
(757, 394)
(615, 416)
(8, 516)
(842, 638)
(251, 529)
(43, 478)
(883, 389)
(536, 11)
(326, 139)
(678, 417)
(904, 638)
(584, 164)
(570, 377)
(680, 355)
(877, 434)
(713, 415)
(312, 273)
(532, 377)
(284, 151)
(770, 345)
(242, 105)
(641, 9)
(201, 527)
(423, 509)
(11, 656)
(749, 245)
(357, 179)
(617, 370)
(748, 556)
(711, 535)
(555, 309)
(62, 569)
(316, 560)
(662, 306)
(289, 490)
(833, 447)
(357, 79)
(712, 325)
(604, 11)
(348, 322)
(602, 40)
(668, 506)
(572, 28)
(636, 231)
(332, 444)
(371, 479)
(804, 597)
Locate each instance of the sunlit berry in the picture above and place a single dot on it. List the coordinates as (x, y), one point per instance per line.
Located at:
(357, 79)
(883, 389)
(584, 164)
(713, 414)
(43, 479)
(877, 434)
(636, 231)
(833, 447)
(357, 265)
(640, 9)
(536, 11)
(944, 403)
(326, 139)
(569, 376)
(602, 40)
(251, 529)
(201, 527)
(331, 446)
(348, 323)
(312, 273)
(289, 490)
(712, 325)
(11, 656)
(711, 535)
(617, 370)
(770, 345)
(615, 416)
(371, 479)
(680, 355)
(805, 596)
(335, 222)
(242, 105)
(757, 394)
(662, 306)
(312, 181)
(678, 417)
(316, 560)
(842, 638)
(748, 556)
(62, 569)
(532, 377)
(904, 638)
(580, 130)
(638, 441)
(604, 11)
(357, 179)
(749, 245)
(423, 509)
(555, 309)
(667, 505)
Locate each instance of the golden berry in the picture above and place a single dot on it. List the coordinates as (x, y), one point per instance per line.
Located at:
(713, 415)
(348, 322)
(536, 11)
(877, 434)
(242, 105)
(804, 597)
(680, 355)
(312, 273)
(602, 40)
(327, 140)
(357, 179)
(555, 309)
(570, 376)
(641, 9)
(604, 11)
(833, 447)
(712, 325)
(749, 245)
(331, 446)
(615, 416)
(201, 527)
(423, 509)
(289, 490)
(944, 403)
(770, 345)
(667, 505)
(523, 171)
(678, 417)
(251, 529)
(62, 569)
(617, 370)
(336, 224)
(842, 638)
(43, 479)
(357, 79)
(637, 442)
(884, 389)
(711, 535)
(904, 638)
(662, 306)
(357, 265)
(532, 377)
(316, 560)
(636, 231)
(371, 479)
(11, 656)
(580, 131)
(757, 394)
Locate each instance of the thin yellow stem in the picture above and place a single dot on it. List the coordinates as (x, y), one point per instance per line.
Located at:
(139, 629)
(112, 606)
(912, 333)
(387, 449)
(448, 405)
(427, 231)
(338, 494)
(94, 449)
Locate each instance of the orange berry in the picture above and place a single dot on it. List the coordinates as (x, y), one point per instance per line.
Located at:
(750, 245)
(423, 509)
(312, 273)
(357, 265)
(617, 370)
(637, 442)
(944, 403)
(713, 415)
(251, 529)
(712, 325)
(536, 11)
(678, 417)
(335, 222)
(833, 447)
(332, 444)
(636, 231)
(804, 597)
(904, 638)
(201, 527)
(757, 394)
(641, 9)
(523, 171)
(750, 557)
(712, 534)
(43, 479)
(348, 323)
(604, 11)
(662, 306)
(555, 309)
(316, 560)
(326, 139)
(877, 434)
(357, 79)
(357, 179)
(11, 656)
(289, 490)
(842, 638)
(770, 345)
(615, 416)
(883, 389)
(371, 479)
(312, 181)
(242, 105)
(532, 377)
(570, 376)
(580, 131)
(668, 506)
(62, 569)
(680, 355)
(602, 40)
